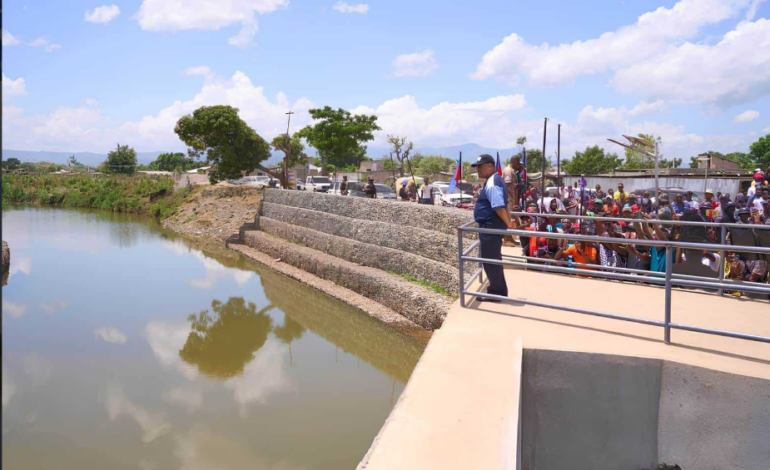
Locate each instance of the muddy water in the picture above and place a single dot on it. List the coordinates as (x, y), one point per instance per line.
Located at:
(125, 346)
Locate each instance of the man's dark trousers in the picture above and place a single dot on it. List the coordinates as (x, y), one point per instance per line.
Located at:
(490, 247)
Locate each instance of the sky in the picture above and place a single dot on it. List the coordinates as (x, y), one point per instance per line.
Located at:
(83, 75)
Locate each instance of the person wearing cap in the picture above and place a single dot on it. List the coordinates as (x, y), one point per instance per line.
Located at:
(727, 215)
(491, 211)
(709, 195)
(402, 192)
(370, 190)
(743, 216)
(621, 195)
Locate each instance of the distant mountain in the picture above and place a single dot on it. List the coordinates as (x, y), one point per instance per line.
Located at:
(94, 159)
(470, 151)
(86, 158)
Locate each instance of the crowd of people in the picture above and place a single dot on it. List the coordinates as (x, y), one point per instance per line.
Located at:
(649, 216)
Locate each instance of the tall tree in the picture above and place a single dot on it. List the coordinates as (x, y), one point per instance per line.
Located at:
(759, 153)
(11, 163)
(228, 143)
(401, 149)
(339, 136)
(172, 162)
(534, 160)
(521, 140)
(592, 161)
(636, 156)
(294, 153)
(426, 165)
(122, 160)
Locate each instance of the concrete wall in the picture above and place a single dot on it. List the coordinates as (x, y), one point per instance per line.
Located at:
(722, 185)
(598, 411)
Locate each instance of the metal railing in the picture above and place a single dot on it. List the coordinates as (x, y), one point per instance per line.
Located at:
(667, 279)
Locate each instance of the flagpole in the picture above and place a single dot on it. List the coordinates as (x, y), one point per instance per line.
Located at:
(542, 183)
(558, 159)
(460, 169)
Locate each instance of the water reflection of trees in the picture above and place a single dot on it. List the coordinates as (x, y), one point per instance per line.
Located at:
(224, 340)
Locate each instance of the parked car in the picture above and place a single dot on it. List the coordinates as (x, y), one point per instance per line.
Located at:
(257, 181)
(459, 196)
(319, 184)
(383, 191)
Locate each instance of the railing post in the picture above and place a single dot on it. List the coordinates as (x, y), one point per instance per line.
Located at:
(722, 260)
(669, 267)
(460, 264)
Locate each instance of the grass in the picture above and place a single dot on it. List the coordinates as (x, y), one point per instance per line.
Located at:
(426, 284)
(150, 195)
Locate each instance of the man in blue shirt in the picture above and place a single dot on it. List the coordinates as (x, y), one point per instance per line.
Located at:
(491, 212)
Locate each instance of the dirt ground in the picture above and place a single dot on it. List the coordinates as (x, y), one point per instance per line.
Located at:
(216, 211)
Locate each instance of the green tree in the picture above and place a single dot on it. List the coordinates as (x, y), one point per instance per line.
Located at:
(172, 162)
(223, 343)
(637, 157)
(11, 164)
(122, 160)
(593, 160)
(294, 154)
(339, 136)
(73, 161)
(401, 150)
(426, 165)
(534, 160)
(759, 153)
(229, 144)
(521, 140)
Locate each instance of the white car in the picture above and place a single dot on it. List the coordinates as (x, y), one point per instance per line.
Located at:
(455, 198)
(256, 181)
(320, 184)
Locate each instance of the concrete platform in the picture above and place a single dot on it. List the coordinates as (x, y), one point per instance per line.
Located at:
(460, 409)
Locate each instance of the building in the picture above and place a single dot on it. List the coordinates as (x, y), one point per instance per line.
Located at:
(371, 165)
(716, 162)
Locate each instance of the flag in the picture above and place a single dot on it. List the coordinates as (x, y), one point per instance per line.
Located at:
(497, 165)
(524, 164)
(457, 176)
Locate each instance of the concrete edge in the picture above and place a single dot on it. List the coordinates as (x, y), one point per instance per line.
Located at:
(368, 306)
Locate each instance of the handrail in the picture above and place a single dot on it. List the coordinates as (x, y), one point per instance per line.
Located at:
(626, 274)
(554, 215)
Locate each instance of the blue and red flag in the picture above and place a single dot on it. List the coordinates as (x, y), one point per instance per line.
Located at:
(497, 165)
(458, 176)
(524, 164)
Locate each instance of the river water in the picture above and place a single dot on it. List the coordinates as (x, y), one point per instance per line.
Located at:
(125, 346)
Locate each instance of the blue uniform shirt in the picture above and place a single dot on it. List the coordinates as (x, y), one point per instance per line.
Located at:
(491, 197)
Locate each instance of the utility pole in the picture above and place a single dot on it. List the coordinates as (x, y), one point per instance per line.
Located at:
(288, 152)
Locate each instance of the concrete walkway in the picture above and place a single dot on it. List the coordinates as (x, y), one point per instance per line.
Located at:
(460, 408)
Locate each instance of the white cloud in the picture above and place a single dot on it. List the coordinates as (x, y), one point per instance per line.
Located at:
(648, 108)
(746, 116)
(418, 64)
(344, 7)
(13, 87)
(652, 56)
(54, 305)
(733, 71)
(178, 15)
(111, 335)
(91, 101)
(190, 399)
(753, 7)
(44, 43)
(9, 39)
(262, 377)
(152, 424)
(166, 340)
(19, 264)
(489, 121)
(14, 310)
(86, 127)
(102, 14)
(200, 70)
(9, 387)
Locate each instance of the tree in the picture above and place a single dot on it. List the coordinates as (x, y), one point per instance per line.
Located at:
(73, 161)
(427, 165)
(231, 147)
(636, 156)
(172, 162)
(11, 164)
(534, 160)
(294, 153)
(759, 153)
(338, 136)
(521, 140)
(122, 160)
(592, 161)
(401, 149)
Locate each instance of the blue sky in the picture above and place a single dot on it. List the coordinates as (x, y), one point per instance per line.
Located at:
(696, 72)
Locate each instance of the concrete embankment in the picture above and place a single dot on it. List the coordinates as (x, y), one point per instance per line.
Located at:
(366, 246)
